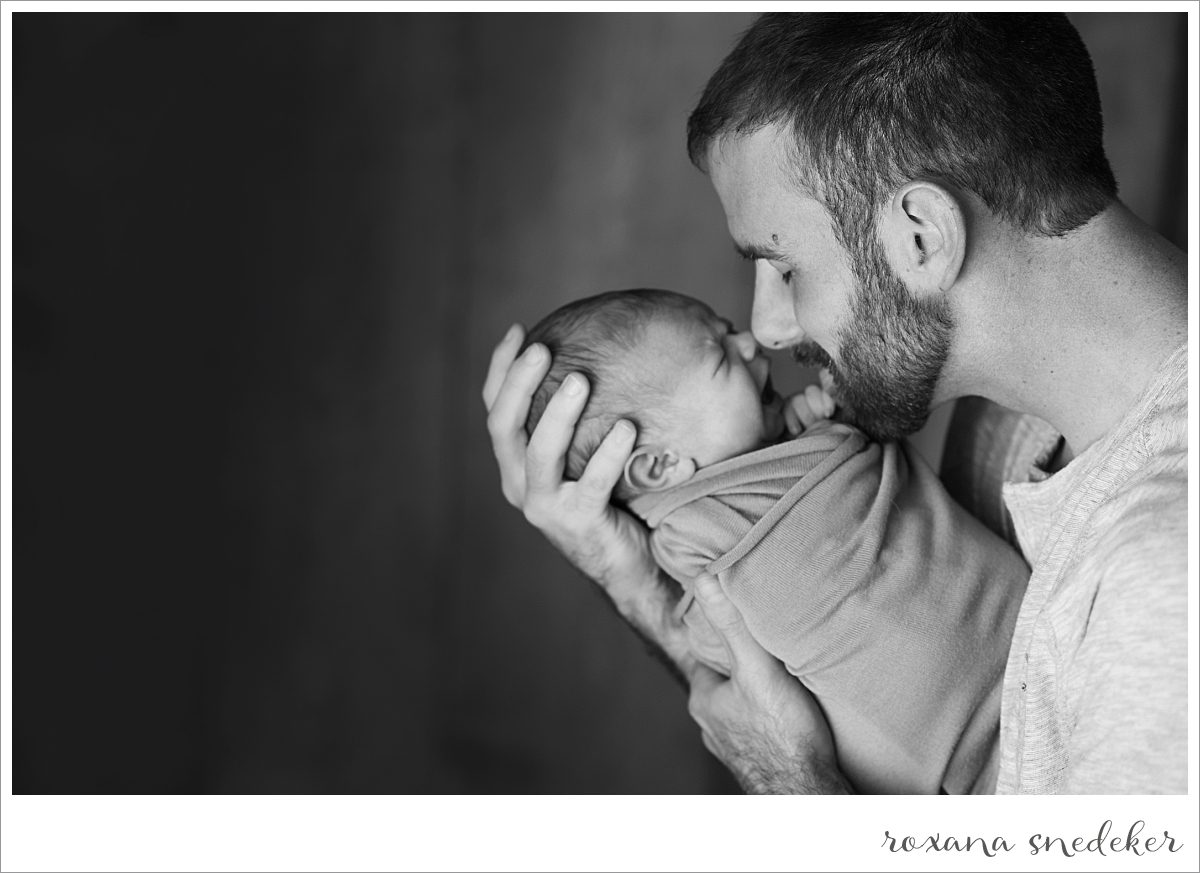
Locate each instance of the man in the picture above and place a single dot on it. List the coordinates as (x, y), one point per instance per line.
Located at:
(931, 216)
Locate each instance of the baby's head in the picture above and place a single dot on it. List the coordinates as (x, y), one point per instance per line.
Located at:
(697, 392)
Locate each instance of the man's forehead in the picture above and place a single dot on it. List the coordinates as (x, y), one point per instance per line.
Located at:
(740, 163)
(756, 185)
(768, 141)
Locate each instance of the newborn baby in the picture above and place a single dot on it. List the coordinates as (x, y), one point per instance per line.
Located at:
(846, 558)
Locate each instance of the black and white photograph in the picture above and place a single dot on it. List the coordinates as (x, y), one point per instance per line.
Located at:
(622, 402)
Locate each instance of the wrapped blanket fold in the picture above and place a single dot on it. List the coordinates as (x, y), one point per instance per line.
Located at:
(851, 564)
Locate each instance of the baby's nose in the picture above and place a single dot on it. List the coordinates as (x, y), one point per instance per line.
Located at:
(745, 344)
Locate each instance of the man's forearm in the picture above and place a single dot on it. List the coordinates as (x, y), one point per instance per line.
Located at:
(797, 775)
(647, 605)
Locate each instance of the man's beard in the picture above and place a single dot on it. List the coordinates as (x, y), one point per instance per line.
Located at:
(892, 350)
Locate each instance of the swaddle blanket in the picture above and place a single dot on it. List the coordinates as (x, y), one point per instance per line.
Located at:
(851, 564)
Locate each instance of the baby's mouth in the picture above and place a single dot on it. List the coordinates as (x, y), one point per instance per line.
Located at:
(773, 418)
(768, 395)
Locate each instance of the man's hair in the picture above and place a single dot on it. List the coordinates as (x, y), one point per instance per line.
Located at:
(598, 337)
(1004, 106)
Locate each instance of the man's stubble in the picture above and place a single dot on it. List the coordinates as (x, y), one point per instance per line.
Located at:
(892, 350)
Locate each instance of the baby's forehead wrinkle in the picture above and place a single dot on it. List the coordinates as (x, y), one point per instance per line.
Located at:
(645, 394)
(654, 371)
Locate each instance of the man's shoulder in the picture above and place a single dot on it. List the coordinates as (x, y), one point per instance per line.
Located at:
(1141, 529)
(1136, 542)
(1163, 428)
(1145, 506)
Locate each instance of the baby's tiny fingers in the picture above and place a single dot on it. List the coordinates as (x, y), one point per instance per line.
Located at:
(816, 398)
(791, 420)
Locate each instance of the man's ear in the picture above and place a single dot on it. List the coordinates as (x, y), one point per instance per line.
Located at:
(925, 233)
(653, 468)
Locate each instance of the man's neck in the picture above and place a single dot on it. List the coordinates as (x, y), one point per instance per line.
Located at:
(1070, 329)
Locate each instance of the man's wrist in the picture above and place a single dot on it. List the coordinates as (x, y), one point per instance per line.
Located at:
(646, 602)
(800, 774)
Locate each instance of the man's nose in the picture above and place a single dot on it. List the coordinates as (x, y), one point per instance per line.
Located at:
(773, 318)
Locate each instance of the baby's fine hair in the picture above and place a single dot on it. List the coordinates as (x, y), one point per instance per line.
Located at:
(597, 337)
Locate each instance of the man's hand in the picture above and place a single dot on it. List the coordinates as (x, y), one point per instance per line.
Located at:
(608, 545)
(760, 722)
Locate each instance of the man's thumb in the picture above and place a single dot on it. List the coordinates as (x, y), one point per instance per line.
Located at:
(720, 612)
(745, 653)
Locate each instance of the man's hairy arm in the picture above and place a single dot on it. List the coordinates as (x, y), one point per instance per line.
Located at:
(651, 615)
(759, 721)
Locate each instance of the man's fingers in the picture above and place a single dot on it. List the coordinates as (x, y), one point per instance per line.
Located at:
(511, 403)
(720, 612)
(502, 359)
(703, 681)
(506, 421)
(744, 651)
(607, 464)
(550, 440)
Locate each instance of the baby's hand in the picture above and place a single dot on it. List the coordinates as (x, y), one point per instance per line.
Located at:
(813, 404)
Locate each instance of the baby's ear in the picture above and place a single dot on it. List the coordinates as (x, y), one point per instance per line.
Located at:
(654, 468)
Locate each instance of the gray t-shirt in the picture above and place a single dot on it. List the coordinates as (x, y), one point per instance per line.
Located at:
(1095, 690)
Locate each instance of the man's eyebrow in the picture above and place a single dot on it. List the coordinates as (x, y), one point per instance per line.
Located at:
(752, 252)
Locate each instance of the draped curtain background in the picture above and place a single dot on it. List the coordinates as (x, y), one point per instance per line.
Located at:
(260, 262)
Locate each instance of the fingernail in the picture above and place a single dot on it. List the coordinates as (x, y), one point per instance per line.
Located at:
(623, 429)
(572, 385)
(535, 354)
(512, 332)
